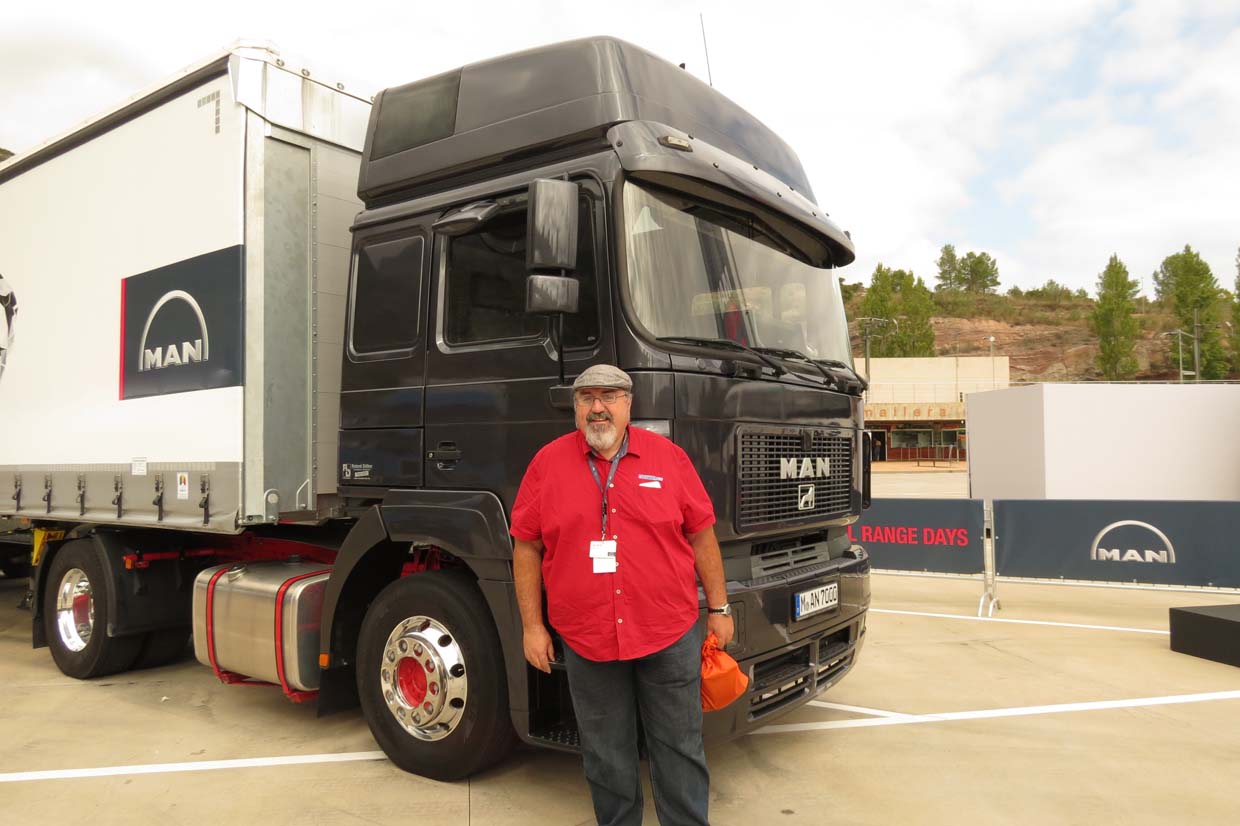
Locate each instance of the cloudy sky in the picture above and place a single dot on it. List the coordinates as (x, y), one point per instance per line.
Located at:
(1048, 134)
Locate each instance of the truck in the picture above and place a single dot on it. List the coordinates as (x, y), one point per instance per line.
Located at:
(287, 348)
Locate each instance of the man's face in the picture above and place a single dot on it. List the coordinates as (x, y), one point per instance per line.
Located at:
(602, 423)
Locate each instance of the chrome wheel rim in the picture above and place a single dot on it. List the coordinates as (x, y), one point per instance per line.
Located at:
(75, 610)
(422, 676)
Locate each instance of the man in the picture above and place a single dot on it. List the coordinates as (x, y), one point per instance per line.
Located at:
(615, 521)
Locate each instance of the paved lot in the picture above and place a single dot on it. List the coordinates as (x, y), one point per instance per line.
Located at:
(925, 484)
(946, 719)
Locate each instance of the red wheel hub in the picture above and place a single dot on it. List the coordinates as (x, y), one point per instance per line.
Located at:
(411, 679)
(81, 609)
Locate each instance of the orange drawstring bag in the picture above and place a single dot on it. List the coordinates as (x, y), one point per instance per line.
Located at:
(722, 679)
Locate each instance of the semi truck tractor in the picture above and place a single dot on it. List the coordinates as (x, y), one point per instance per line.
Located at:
(277, 353)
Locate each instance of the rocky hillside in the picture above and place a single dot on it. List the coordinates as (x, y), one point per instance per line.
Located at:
(1044, 340)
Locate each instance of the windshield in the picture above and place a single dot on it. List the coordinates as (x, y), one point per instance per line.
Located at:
(693, 271)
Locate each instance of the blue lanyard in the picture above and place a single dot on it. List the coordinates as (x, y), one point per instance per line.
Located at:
(611, 476)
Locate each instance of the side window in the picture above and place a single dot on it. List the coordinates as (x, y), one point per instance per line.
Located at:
(485, 284)
(386, 296)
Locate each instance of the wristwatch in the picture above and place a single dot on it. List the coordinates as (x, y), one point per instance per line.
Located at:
(725, 610)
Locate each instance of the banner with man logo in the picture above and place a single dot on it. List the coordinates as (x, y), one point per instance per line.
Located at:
(182, 326)
(1162, 543)
(934, 535)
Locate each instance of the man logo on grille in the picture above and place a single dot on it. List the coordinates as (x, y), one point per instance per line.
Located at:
(805, 497)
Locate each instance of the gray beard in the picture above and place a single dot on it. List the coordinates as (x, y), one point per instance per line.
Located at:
(600, 440)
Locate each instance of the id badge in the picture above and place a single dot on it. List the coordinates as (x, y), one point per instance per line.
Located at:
(603, 556)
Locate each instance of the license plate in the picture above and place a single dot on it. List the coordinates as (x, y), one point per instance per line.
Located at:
(822, 598)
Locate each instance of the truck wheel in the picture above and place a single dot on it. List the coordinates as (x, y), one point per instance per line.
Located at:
(430, 675)
(75, 616)
(162, 647)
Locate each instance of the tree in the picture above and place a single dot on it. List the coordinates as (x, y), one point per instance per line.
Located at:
(901, 297)
(1114, 322)
(1235, 321)
(949, 269)
(979, 273)
(1185, 282)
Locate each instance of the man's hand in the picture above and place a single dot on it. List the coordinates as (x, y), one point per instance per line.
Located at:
(538, 649)
(719, 625)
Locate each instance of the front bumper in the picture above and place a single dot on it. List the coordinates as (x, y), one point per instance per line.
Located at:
(789, 661)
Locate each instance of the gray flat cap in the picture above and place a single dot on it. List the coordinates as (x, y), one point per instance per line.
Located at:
(604, 375)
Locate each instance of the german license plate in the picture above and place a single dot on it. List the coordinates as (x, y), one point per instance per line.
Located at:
(822, 598)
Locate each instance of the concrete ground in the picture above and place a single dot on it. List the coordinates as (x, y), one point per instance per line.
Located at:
(925, 483)
(946, 719)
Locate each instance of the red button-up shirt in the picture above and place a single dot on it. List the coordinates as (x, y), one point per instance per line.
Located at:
(657, 499)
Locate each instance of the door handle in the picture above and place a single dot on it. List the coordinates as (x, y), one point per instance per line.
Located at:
(445, 455)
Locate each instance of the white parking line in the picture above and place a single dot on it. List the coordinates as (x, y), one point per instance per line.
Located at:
(196, 766)
(1023, 711)
(873, 712)
(1020, 621)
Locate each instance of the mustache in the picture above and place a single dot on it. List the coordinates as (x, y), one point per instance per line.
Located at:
(601, 416)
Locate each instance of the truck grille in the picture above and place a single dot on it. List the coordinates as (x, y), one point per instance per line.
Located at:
(764, 498)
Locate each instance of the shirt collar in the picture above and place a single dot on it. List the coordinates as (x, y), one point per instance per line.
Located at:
(636, 437)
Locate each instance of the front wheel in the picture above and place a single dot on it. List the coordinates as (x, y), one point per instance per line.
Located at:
(430, 675)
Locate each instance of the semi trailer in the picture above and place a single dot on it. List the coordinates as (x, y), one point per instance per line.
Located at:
(286, 349)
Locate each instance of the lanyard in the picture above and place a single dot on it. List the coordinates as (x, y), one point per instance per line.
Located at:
(611, 476)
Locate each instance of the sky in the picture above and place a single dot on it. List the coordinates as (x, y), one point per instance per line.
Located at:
(1050, 135)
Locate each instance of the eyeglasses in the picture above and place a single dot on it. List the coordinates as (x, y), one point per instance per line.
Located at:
(610, 398)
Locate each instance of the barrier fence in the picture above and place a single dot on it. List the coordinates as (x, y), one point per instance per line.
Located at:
(1129, 543)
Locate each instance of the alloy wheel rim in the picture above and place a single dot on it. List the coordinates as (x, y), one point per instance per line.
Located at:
(422, 677)
(75, 609)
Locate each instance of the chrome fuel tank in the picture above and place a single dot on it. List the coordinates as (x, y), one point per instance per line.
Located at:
(260, 616)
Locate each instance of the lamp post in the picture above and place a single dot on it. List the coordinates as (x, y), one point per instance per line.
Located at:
(867, 324)
(991, 340)
(1179, 335)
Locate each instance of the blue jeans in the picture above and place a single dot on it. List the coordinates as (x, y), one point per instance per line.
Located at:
(663, 689)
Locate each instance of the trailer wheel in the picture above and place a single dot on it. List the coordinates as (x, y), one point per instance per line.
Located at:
(75, 616)
(430, 675)
(162, 647)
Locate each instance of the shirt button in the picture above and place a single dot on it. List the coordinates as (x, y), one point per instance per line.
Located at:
(615, 536)
(617, 590)
(613, 510)
(612, 485)
(620, 620)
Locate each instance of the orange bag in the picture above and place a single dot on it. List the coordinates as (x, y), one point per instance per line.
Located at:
(722, 679)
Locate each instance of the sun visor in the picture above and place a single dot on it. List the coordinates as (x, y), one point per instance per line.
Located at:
(660, 154)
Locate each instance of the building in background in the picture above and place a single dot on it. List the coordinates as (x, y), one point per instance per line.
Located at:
(915, 406)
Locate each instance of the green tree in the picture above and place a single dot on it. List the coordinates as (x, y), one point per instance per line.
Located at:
(949, 269)
(1235, 321)
(1114, 322)
(979, 273)
(1185, 282)
(901, 297)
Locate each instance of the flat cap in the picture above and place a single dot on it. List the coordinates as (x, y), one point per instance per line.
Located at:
(603, 375)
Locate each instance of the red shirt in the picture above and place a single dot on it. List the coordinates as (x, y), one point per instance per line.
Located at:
(652, 598)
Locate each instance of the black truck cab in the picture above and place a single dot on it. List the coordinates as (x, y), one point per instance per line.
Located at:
(702, 266)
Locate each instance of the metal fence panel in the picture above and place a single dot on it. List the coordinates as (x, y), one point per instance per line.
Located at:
(934, 535)
(1156, 543)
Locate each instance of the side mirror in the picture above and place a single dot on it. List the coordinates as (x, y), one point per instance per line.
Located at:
(550, 294)
(551, 240)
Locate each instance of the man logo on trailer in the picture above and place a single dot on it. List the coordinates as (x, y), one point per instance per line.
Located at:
(170, 356)
(792, 467)
(1130, 541)
(182, 326)
(8, 303)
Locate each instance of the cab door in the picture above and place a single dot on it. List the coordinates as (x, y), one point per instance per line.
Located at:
(491, 366)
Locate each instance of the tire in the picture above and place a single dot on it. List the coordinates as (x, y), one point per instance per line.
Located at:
(418, 628)
(76, 625)
(162, 647)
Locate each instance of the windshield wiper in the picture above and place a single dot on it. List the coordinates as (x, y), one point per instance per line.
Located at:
(797, 355)
(726, 343)
(842, 366)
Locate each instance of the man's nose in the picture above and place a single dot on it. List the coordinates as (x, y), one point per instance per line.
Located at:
(597, 402)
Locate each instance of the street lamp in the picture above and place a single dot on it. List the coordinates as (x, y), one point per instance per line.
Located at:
(867, 324)
(991, 341)
(1179, 334)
